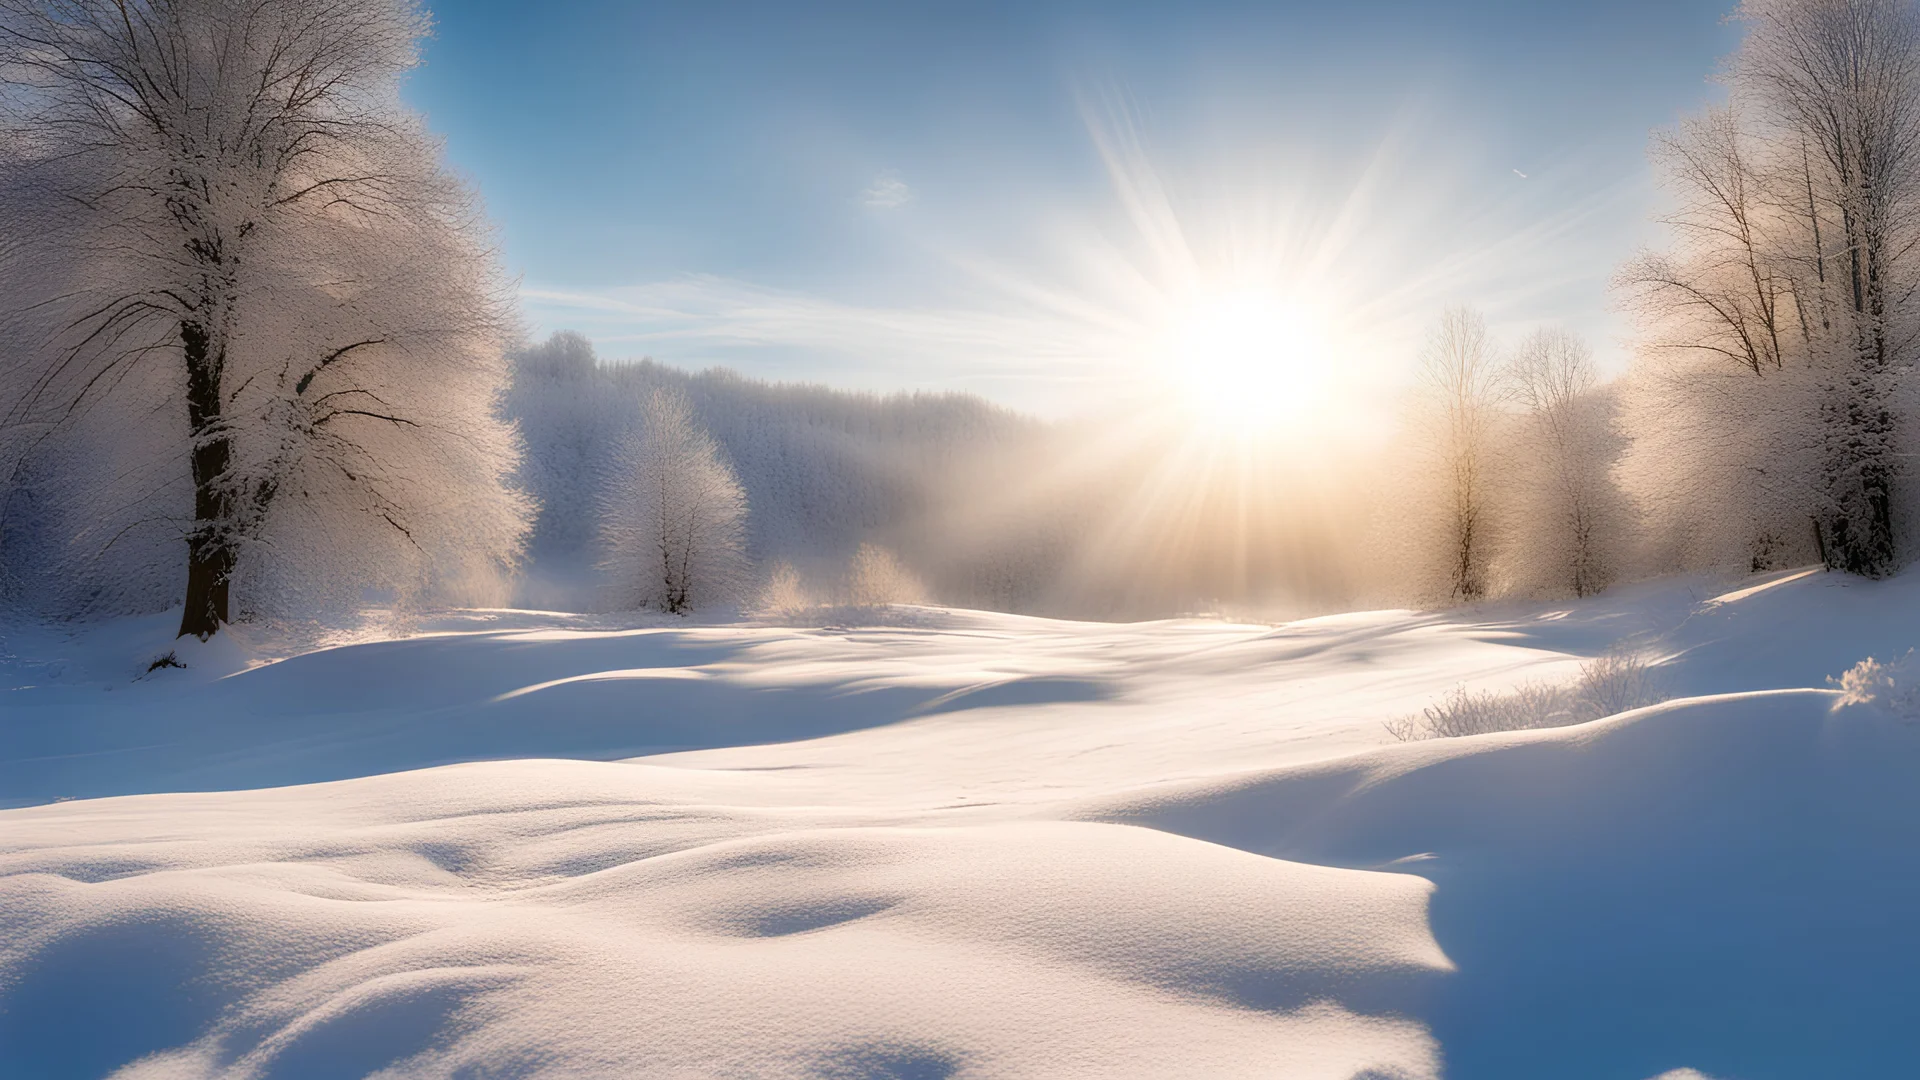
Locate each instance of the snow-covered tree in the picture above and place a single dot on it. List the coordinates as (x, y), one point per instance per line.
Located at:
(1461, 390)
(1569, 516)
(1781, 325)
(1718, 401)
(247, 311)
(1843, 76)
(674, 525)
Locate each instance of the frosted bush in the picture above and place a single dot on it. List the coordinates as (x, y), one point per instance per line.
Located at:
(876, 579)
(1893, 687)
(1463, 712)
(784, 595)
(1614, 682)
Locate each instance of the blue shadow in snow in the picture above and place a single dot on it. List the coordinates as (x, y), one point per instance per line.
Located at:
(393, 706)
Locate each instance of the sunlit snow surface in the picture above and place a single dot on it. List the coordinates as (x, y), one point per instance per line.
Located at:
(964, 845)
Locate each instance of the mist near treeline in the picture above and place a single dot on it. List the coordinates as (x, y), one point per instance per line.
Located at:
(1114, 516)
(984, 506)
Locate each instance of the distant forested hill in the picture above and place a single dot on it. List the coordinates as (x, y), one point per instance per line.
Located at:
(824, 470)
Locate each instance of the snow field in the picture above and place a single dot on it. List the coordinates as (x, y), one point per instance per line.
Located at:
(986, 847)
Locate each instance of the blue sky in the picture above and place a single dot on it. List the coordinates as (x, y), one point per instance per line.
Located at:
(979, 196)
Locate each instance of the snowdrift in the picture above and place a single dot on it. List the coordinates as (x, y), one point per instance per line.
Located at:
(1721, 882)
(982, 847)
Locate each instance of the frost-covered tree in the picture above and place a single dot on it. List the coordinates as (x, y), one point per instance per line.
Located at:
(674, 525)
(1781, 324)
(1569, 517)
(1844, 77)
(248, 315)
(1460, 381)
(1718, 400)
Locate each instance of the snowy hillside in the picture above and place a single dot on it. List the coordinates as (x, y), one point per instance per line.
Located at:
(965, 845)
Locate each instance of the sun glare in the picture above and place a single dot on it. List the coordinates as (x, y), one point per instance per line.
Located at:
(1250, 358)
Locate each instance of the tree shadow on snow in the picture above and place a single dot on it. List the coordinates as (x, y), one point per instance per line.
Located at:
(390, 706)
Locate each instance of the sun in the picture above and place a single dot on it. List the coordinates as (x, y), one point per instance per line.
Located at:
(1251, 358)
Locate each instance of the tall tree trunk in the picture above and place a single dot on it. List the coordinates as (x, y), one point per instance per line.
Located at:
(1466, 571)
(1861, 430)
(210, 551)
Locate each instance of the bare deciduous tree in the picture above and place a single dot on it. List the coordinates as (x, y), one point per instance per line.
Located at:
(226, 231)
(1461, 379)
(1566, 452)
(1730, 313)
(1719, 290)
(674, 524)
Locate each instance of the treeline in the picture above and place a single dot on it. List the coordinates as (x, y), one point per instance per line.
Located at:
(1509, 488)
(1769, 417)
(820, 472)
(851, 498)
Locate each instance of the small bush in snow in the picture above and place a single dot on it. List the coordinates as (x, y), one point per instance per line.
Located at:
(1891, 686)
(1464, 712)
(876, 579)
(1613, 682)
(784, 595)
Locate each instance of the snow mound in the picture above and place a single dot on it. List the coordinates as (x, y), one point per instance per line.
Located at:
(1724, 882)
(567, 918)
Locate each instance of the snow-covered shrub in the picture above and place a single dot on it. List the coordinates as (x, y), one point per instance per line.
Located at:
(784, 595)
(1463, 712)
(1894, 687)
(1613, 682)
(875, 579)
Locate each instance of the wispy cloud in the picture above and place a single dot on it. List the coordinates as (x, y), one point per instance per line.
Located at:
(887, 191)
